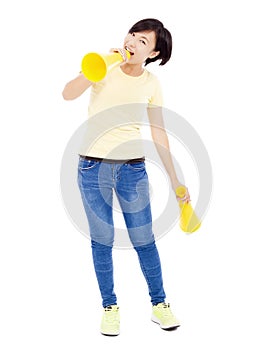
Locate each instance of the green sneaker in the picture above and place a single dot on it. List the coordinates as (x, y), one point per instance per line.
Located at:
(110, 320)
(163, 315)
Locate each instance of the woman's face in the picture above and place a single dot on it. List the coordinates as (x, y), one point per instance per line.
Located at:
(141, 46)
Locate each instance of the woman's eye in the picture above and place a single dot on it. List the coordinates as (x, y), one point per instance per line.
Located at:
(143, 42)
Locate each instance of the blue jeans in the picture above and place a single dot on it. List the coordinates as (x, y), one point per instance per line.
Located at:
(97, 181)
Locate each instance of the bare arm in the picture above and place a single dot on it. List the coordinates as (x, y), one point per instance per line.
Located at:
(161, 141)
(76, 87)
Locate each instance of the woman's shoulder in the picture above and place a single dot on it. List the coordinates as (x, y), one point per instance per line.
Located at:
(152, 77)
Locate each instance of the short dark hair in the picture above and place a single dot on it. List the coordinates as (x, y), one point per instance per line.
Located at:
(163, 38)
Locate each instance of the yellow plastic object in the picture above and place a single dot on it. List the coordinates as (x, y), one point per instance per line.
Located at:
(95, 66)
(188, 222)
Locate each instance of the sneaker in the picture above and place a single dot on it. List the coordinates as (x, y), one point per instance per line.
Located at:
(110, 320)
(163, 315)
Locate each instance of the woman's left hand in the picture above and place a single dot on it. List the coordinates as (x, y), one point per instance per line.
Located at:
(186, 198)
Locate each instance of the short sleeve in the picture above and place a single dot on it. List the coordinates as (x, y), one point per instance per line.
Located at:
(156, 99)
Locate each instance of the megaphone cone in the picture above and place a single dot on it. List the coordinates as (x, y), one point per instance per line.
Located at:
(189, 222)
(95, 66)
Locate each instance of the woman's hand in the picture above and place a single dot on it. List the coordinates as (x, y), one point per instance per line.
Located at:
(122, 52)
(182, 193)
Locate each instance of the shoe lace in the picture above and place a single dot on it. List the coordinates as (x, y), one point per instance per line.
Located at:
(111, 314)
(165, 310)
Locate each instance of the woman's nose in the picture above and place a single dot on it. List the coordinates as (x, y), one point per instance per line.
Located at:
(131, 42)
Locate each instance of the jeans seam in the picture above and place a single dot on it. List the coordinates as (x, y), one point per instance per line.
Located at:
(145, 274)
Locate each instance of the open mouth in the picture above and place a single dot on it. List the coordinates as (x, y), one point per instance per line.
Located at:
(131, 53)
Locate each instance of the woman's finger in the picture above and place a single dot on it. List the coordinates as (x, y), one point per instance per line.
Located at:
(122, 52)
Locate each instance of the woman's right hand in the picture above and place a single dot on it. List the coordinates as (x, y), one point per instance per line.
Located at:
(122, 52)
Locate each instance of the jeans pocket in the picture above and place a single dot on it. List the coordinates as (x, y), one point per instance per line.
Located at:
(136, 166)
(85, 164)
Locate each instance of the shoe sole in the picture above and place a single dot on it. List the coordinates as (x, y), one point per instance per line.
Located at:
(156, 320)
(110, 335)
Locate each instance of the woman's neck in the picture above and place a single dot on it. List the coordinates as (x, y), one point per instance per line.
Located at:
(133, 70)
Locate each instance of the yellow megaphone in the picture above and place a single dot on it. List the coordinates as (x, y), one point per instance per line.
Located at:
(188, 222)
(95, 66)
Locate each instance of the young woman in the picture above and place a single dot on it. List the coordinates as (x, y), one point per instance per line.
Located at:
(116, 163)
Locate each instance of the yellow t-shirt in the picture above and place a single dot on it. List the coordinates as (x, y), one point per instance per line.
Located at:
(116, 109)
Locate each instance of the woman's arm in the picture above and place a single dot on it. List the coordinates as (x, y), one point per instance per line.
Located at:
(161, 141)
(76, 87)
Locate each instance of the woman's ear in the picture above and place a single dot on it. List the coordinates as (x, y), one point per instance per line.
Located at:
(154, 54)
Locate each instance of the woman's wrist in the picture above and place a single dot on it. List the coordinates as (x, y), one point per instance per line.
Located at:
(176, 184)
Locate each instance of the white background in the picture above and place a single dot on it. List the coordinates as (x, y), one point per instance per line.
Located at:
(218, 280)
